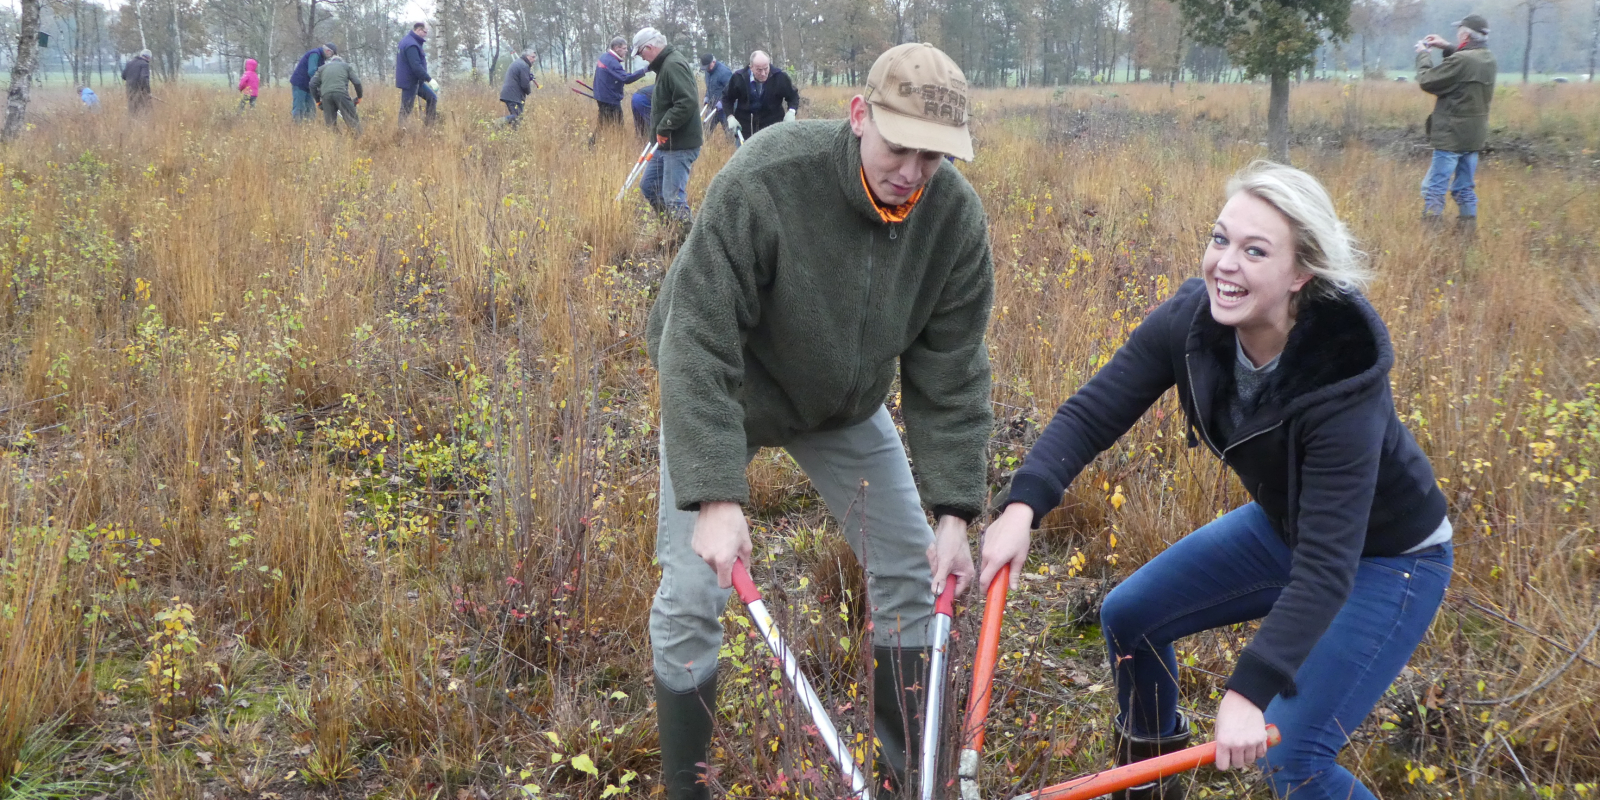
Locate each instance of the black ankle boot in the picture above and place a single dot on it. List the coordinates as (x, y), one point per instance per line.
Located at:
(1130, 748)
(1467, 228)
(683, 720)
(898, 687)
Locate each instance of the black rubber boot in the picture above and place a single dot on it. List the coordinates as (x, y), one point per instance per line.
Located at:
(1467, 228)
(1130, 748)
(898, 688)
(684, 723)
(1432, 223)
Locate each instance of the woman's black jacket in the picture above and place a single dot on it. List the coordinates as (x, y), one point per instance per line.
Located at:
(1322, 452)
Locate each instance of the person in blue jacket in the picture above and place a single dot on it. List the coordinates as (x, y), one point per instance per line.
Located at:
(641, 111)
(89, 98)
(609, 78)
(411, 75)
(300, 81)
(717, 77)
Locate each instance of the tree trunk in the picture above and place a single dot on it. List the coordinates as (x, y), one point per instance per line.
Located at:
(1527, 51)
(1278, 119)
(22, 70)
(1594, 41)
(138, 16)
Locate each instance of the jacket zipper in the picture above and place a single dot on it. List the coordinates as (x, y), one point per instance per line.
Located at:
(1200, 422)
(866, 316)
(1194, 397)
(1232, 445)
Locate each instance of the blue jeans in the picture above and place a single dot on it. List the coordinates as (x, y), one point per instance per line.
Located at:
(1454, 173)
(1231, 571)
(513, 115)
(665, 183)
(408, 98)
(304, 106)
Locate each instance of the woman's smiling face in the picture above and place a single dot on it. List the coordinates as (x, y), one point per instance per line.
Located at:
(1249, 267)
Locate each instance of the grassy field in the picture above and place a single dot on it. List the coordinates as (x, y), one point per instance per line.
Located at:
(327, 465)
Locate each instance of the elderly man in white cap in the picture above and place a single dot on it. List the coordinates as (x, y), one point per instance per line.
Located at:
(675, 124)
(829, 256)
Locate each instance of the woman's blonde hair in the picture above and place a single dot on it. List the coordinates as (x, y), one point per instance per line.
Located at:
(1323, 245)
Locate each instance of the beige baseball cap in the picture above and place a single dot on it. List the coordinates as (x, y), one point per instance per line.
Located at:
(919, 100)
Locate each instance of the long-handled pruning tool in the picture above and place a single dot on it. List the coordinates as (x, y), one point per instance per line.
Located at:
(751, 597)
(944, 610)
(1137, 773)
(1080, 788)
(649, 152)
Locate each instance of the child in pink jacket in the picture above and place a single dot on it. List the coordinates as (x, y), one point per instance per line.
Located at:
(250, 82)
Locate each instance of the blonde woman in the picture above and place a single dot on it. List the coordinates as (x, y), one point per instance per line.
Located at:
(1282, 369)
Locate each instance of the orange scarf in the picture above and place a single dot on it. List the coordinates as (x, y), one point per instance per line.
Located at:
(891, 213)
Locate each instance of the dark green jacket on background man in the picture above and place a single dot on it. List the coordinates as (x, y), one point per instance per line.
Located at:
(792, 303)
(675, 104)
(334, 77)
(1464, 85)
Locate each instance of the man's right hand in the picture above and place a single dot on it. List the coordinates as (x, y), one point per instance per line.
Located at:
(722, 535)
(1435, 40)
(733, 125)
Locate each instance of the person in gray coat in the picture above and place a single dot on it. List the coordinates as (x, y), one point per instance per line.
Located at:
(136, 78)
(518, 84)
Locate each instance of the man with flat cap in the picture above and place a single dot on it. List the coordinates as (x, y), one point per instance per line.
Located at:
(830, 258)
(1463, 82)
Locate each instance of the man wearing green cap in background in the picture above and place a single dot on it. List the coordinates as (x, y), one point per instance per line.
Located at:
(827, 255)
(1463, 81)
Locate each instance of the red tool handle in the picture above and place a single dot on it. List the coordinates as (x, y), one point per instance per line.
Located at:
(748, 593)
(1137, 773)
(946, 604)
(994, 610)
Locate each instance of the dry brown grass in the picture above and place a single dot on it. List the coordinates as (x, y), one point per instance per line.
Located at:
(378, 410)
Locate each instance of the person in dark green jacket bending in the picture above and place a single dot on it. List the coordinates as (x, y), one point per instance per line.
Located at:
(330, 87)
(827, 254)
(1463, 81)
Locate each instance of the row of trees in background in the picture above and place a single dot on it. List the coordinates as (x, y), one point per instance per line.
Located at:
(998, 42)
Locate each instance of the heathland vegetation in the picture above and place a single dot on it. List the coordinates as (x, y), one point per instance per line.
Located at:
(327, 464)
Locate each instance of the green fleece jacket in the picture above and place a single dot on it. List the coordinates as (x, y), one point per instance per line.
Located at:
(1464, 84)
(791, 303)
(335, 77)
(675, 102)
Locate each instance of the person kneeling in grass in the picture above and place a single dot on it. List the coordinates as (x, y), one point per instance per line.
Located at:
(1282, 370)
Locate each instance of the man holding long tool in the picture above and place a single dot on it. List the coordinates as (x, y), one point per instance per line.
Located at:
(829, 253)
(609, 78)
(675, 123)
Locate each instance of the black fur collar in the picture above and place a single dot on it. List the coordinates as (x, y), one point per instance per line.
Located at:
(1338, 346)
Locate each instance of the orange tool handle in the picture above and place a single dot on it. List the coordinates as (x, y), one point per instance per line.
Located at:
(748, 593)
(1137, 773)
(994, 610)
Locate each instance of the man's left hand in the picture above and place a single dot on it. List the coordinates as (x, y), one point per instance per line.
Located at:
(951, 554)
(661, 140)
(1241, 732)
(788, 116)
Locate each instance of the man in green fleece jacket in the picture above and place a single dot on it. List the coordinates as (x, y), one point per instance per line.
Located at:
(1463, 82)
(675, 123)
(827, 254)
